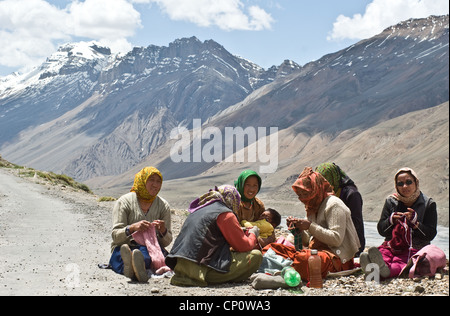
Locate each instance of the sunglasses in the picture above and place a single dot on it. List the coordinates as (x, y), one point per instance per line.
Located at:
(401, 183)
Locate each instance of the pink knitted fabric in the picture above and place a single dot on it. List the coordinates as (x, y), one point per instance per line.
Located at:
(148, 238)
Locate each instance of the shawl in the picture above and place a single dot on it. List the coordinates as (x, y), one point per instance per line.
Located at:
(240, 182)
(312, 188)
(406, 200)
(227, 194)
(140, 181)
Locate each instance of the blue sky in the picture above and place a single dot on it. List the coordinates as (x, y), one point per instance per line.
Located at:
(263, 31)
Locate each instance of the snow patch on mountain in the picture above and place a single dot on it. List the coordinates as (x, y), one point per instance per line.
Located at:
(71, 55)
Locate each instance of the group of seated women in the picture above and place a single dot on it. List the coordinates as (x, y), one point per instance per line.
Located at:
(228, 229)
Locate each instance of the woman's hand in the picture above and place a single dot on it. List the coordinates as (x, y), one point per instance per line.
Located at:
(302, 224)
(291, 222)
(144, 225)
(160, 225)
(140, 226)
(397, 216)
(410, 214)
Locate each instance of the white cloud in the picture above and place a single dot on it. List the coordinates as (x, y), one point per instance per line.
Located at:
(225, 14)
(110, 22)
(381, 14)
(26, 30)
(30, 30)
(261, 20)
(104, 19)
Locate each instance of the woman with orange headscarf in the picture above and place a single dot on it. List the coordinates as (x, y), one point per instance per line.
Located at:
(138, 211)
(328, 227)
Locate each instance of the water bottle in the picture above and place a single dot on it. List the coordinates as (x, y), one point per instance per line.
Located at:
(315, 270)
(291, 276)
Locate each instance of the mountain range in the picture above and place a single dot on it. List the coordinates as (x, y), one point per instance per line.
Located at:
(373, 107)
(89, 113)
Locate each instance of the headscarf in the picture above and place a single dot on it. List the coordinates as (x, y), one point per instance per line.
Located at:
(240, 182)
(407, 200)
(312, 188)
(227, 194)
(332, 173)
(140, 181)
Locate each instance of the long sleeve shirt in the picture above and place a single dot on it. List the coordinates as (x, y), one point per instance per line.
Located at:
(127, 211)
(333, 226)
(426, 215)
(233, 233)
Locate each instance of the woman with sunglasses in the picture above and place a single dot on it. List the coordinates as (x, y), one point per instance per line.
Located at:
(408, 201)
(408, 222)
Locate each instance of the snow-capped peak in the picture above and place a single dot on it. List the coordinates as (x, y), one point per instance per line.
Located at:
(70, 55)
(75, 54)
(85, 50)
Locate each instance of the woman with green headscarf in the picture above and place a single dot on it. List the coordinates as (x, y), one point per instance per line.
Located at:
(248, 185)
(251, 208)
(345, 189)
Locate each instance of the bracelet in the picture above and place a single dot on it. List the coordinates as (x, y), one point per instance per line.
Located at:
(127, 231)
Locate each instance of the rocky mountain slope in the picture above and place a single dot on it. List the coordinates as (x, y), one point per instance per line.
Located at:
(89, 113)
(401, 70)
(373, 107)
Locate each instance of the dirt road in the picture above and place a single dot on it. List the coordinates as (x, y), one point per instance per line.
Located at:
(53, 238)
(49, 244)
(36, 248)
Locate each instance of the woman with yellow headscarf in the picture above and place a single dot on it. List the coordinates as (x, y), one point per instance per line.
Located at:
(135, 212)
